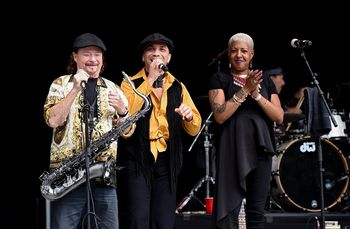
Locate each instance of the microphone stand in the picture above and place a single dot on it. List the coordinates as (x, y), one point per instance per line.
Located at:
(88, 115)
(217, 60)
(319, 146)
(206, 178)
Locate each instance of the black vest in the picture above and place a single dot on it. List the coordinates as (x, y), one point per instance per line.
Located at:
(137, 147)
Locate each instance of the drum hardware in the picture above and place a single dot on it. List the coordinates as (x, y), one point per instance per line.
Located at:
(271, 204)
(279, 134)
(346, 200)
(217, 60)
(340, 132)
(206, 179)
(295, 134)
(289, 118)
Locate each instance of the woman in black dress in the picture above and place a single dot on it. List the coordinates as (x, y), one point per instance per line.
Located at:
(245, 106)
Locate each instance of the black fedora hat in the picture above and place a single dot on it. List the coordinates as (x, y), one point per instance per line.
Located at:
(155, 38)
(88, 39)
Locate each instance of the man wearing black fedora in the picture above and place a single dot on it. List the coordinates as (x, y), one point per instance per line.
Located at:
(70, 96)
(152, 157)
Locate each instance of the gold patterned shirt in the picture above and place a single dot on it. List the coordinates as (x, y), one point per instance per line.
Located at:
(68, 139)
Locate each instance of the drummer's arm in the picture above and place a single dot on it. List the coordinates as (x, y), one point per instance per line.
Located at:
(293, 110)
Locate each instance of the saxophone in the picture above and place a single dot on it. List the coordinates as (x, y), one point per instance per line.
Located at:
(72, 172)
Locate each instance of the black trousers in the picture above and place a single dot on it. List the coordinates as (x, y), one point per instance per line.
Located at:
(143, 206)
(258, 186)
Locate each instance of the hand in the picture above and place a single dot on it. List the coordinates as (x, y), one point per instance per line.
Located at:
(154, 70)
(116, 101)
(80, 76)
(185, 111)
(253, 80)
(255, 92)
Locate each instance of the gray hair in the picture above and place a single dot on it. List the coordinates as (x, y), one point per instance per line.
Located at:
(241, 37)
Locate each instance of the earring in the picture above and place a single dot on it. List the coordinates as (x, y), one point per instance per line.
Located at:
(251, 64)
(229, 65)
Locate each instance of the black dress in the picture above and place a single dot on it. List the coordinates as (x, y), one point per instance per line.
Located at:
(243, 136)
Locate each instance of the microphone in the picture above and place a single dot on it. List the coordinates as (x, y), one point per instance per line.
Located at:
(83, 84)
(163, 67)
(296, 43)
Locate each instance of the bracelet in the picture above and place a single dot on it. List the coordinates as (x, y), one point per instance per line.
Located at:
(239, 99)
(123, 115)
(233, 99)
(257, 97)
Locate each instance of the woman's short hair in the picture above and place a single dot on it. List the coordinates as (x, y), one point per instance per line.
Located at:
(241, 37)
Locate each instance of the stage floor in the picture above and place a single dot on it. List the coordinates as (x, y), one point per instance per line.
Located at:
(200, 220)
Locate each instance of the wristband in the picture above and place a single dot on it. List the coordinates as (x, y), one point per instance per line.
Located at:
(257, 97)
(123, 115)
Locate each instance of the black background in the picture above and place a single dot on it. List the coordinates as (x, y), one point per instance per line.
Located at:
(39, 43)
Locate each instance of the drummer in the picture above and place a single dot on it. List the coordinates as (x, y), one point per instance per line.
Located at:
(293, 124)
(296, 106)
(277, 76)
(292, 105)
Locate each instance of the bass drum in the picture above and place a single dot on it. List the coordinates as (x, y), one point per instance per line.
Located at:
(296, 176)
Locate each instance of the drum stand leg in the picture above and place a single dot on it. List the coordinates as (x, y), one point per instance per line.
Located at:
(272, 204)
(191, 195)
(207, 179)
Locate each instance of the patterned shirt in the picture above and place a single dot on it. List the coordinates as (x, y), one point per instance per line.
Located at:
(68, 139)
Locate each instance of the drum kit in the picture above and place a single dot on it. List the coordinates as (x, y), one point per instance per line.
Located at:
(295, 183)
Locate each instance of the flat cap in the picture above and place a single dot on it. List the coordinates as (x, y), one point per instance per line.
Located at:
(88, 39)
(155, 38)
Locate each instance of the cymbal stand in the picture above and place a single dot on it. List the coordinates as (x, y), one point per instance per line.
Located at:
(206, 178)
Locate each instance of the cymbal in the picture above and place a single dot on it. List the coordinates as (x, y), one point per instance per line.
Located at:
(292, 117)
